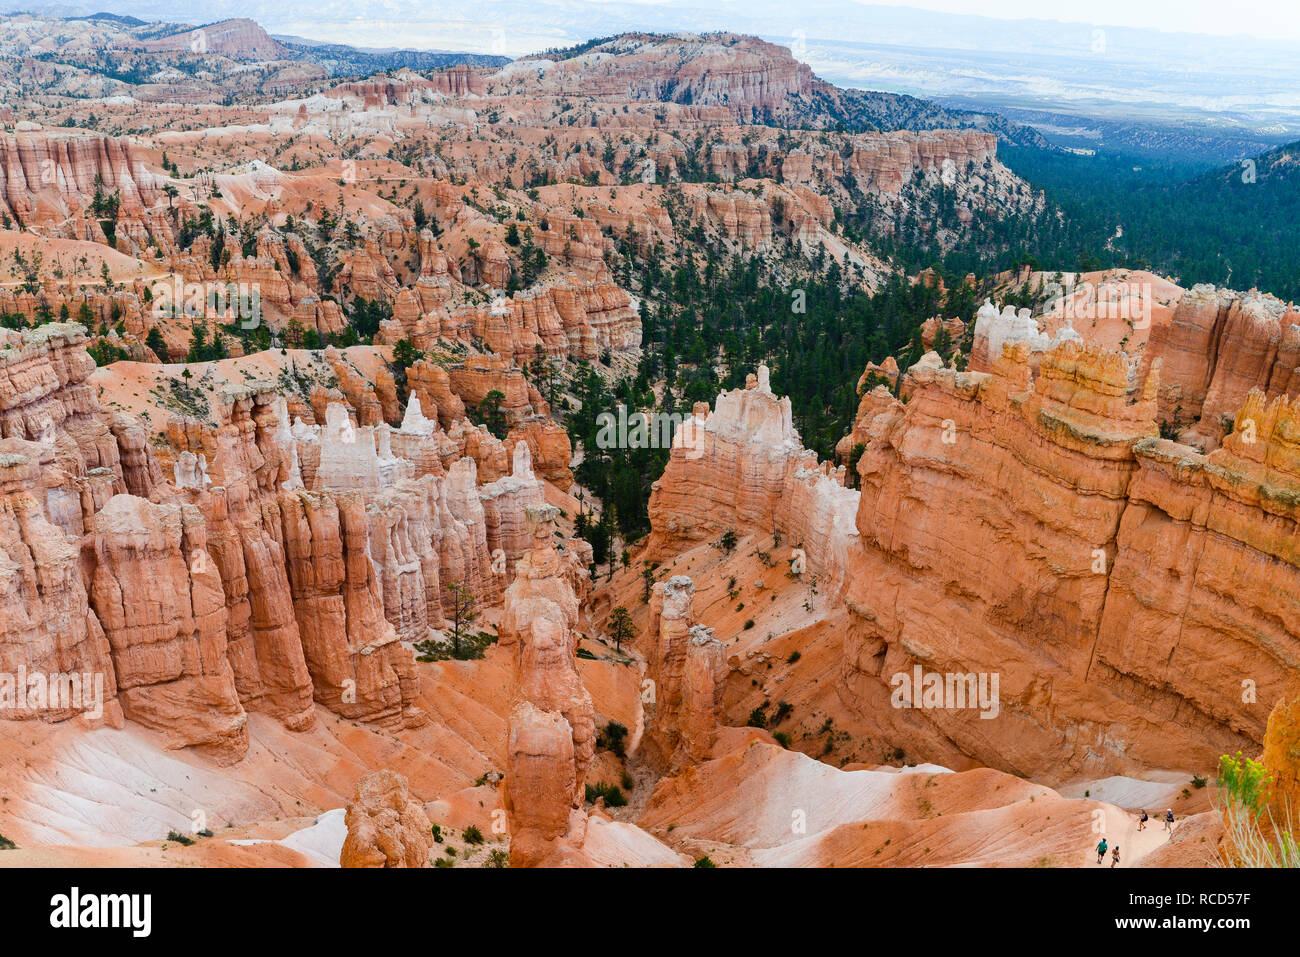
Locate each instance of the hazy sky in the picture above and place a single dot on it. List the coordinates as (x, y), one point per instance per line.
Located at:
(515, 27)
(1269, 19)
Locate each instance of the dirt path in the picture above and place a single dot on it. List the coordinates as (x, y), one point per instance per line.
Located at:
(1121, 827)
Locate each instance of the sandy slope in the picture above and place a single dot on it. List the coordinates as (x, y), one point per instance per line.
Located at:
(110, 797)
(757, 803)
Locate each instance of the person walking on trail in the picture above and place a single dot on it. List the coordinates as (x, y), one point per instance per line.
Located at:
(1169, 821)
(1142, 821)
(1114, 856)
(1101, 851)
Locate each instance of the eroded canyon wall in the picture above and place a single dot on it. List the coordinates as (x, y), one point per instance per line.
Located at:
(1133, 596)
(1220, 345)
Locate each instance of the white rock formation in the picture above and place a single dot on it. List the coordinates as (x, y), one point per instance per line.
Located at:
(505, 506)
(414, 422)
(357, 457)
(191, 471)
(993, 330)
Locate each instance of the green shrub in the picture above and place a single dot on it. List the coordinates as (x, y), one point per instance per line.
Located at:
(1253, 836)
(472, 647)
(704, 862)
(611, 738)
(612, 794)
(1245, 782)
(473, 835)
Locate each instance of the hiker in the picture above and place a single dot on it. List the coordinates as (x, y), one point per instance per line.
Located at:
(1142, 821)
(1101, 850)
(1169, 821)
(1114, 856)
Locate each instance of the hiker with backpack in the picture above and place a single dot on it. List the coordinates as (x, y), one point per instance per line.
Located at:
(1142, 821)
(1169, 821)
(1114, 856)
(1101, 850)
